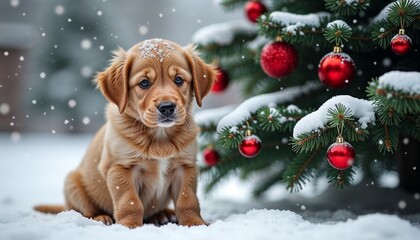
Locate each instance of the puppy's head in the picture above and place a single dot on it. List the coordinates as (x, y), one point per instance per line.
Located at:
(155, 82)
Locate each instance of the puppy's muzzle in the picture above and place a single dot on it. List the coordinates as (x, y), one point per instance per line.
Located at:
(167, 113)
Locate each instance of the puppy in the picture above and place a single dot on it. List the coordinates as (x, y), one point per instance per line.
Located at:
(144, 155)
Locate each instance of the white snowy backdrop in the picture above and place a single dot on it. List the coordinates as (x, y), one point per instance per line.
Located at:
(37, 35)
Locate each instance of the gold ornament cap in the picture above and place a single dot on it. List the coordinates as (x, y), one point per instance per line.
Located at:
(401, 32)
(339, 139)
(248, 133)
(337, 49)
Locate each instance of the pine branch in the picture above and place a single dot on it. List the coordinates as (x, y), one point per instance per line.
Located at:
(310, 35)
(237, 46)
(403, 13)
(232, 4)
(383, 31)
(411, 126)
(337, 32)
(344, 8)
(306, 35)
(352, 131)
(340, 178)
(385, 137)
(301, 169)
(400, 101)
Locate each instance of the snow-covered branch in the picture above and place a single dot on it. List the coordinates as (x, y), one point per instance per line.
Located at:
(244, 111)
(362, 109)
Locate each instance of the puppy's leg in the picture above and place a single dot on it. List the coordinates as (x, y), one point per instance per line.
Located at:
(187, 208)
(128, 209)
(77, 199)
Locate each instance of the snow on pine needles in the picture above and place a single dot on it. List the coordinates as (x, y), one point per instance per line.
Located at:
(362, 109)
(407, 82)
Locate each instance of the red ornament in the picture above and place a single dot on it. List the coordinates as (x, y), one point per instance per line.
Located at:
(336, 69)
(250, 146)
(401, 43)
(341, 154)
(222, 81)
(254, 9)
(211, 156)
(278, 59)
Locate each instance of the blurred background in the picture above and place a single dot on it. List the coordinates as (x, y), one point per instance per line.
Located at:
(50, 51)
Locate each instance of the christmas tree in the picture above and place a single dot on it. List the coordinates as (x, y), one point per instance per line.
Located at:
(332, 88)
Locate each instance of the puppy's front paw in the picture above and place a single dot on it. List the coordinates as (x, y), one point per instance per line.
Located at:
(107, 220)
(130, 223)
(194, 222)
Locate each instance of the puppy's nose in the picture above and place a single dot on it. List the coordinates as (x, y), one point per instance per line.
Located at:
(166, 108)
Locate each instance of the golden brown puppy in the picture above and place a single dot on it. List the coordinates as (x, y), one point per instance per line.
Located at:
(144, 156)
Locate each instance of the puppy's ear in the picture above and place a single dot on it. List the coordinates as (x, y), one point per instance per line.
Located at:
(113, 82)
(204, 75)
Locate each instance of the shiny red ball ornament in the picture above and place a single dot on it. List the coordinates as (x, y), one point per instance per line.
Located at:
(222, 81)
(211, 156)
(278, 59)
(341, 154)
(254, 9)
(250, 146)
(401, 43)
(336, 69)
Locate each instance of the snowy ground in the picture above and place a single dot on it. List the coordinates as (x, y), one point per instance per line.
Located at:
(33, 166)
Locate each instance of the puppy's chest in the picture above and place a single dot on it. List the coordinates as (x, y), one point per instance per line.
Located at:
(154, 177)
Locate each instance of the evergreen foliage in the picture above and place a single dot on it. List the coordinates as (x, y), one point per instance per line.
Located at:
(295, 161)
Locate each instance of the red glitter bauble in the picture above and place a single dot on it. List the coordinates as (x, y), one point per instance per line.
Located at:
(250, 146)
(336, 69)
(401, 44)
(222, 81)
(254, 9)
(211, 156)
(341, 155)
(278, 59)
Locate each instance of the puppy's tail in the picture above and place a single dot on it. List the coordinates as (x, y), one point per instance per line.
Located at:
(53, 209)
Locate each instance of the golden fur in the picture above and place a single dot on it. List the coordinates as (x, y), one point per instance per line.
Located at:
(135, 165)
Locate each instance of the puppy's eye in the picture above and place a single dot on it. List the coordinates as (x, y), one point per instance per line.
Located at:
(178, 81)
(144, 84)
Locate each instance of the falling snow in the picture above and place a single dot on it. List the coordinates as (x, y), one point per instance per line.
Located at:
(42, 75)
(59, 9)
(72, 103)
(143, 30)
(86, 71)
(86, 120)
(86, 44)
(14, 3)
(4, 109)
(15, 136)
